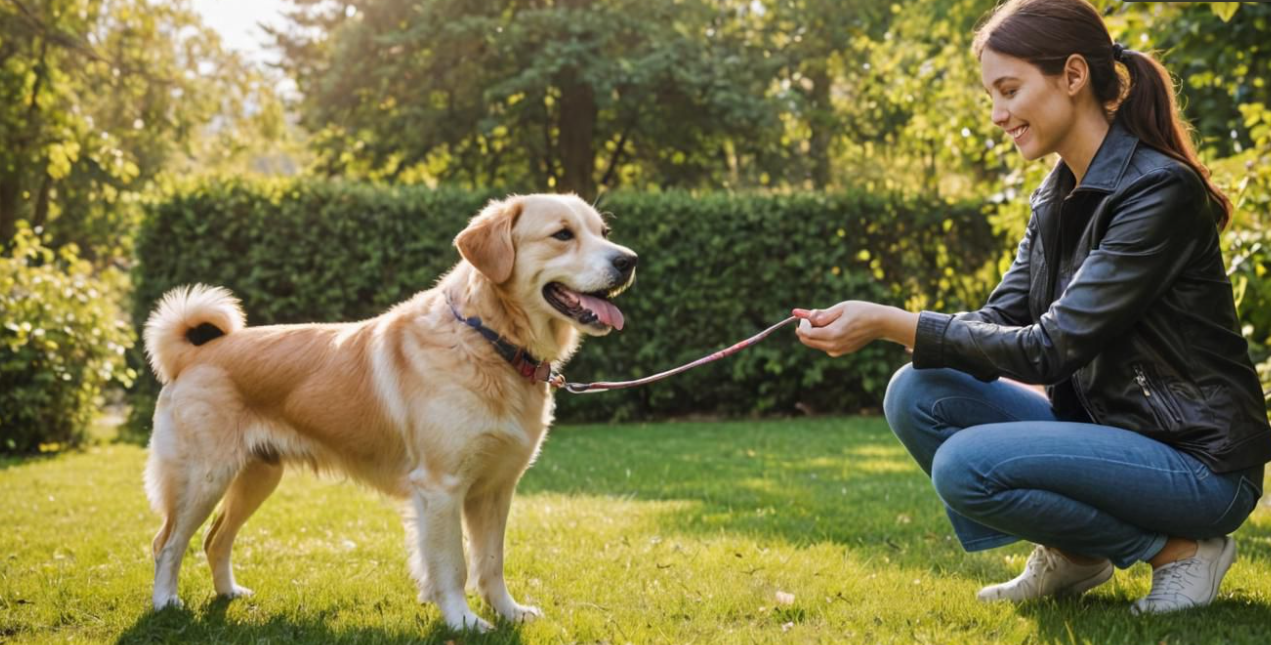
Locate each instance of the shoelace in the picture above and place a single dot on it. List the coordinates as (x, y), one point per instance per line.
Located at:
(1043, 559)
(1041, 562)
(1169, 581)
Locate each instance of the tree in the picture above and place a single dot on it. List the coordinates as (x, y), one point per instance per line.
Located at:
(96, 99)
(572, 95)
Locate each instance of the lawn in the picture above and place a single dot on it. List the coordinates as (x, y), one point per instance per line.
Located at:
(673, 532)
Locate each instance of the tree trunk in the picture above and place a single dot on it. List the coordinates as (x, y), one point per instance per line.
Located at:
(41, 216)
(8, 209)
(821, 123)
(576, 142)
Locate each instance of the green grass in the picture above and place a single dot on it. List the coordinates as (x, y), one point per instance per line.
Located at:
(676, 532)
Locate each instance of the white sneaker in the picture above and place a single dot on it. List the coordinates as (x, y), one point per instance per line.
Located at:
(1049, 573)
(1192, 582)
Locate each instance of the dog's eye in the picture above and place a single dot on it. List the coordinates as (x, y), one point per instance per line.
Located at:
(605, 232)
(564, 235)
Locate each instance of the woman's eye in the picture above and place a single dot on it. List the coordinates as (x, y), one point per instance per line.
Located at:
(1010, 93)
(564, 235)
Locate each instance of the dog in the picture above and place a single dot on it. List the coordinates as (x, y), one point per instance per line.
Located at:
(441, 402)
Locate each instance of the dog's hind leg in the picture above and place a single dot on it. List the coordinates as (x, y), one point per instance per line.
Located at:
(184, 486)
(486, 516)
(255, 482)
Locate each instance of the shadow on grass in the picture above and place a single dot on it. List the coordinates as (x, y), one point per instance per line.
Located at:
(211, 625)
(845, 481)
(1100, 619)
(13, 461)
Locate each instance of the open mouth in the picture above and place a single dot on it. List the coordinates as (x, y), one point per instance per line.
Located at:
(594, 308)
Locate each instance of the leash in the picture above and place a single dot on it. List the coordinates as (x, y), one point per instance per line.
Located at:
(535, 370)
(558, 380)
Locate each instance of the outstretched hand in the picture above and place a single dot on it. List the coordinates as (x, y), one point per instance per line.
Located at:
(852, 324)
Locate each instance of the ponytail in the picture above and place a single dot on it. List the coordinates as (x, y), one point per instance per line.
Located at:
(1150, 112)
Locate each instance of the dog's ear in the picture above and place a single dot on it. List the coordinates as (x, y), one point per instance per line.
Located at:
(487, 241)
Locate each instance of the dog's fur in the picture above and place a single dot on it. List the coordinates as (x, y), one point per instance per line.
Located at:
(413, 403)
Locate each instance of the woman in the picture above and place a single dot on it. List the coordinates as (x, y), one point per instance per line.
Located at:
(1150, 443)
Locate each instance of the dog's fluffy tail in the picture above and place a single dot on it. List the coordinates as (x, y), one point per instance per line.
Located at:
(185, 318)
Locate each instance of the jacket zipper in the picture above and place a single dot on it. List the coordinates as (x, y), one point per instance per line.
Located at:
(1160, 403)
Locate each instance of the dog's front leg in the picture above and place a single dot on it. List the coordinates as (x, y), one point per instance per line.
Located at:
(438, 530)
(486, 515)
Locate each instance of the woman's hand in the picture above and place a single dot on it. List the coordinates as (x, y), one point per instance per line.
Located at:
(853, 324)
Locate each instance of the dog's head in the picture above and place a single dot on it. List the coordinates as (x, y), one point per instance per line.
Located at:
(552, 255)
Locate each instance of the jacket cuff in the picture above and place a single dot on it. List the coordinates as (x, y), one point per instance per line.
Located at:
(929, 341)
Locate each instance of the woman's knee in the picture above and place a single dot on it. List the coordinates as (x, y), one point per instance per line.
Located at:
(958, 473)
(909, 402)
(902, 394)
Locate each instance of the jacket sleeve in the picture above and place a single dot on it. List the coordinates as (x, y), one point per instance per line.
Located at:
(1149, 240)
(1008, 304)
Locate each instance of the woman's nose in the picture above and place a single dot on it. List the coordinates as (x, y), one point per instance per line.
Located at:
(999, 115)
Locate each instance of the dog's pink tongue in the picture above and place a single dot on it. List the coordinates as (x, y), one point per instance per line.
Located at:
(604, 310)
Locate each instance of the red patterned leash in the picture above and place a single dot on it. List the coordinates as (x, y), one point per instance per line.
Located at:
(600, 386)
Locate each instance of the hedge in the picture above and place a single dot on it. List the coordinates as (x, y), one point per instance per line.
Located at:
(63, 339)
(714, 269)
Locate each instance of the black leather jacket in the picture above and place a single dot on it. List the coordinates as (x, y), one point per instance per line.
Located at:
(1146, 328)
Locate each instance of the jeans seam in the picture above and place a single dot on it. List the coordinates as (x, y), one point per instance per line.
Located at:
(1240, 488)
(988, 476)
(993, 470)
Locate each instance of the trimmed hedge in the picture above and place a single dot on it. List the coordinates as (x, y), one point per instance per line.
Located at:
(714, 269)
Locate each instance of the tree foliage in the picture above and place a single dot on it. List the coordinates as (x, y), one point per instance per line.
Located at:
(99, 98)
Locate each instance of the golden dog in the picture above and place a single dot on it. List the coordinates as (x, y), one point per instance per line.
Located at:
(416, 403)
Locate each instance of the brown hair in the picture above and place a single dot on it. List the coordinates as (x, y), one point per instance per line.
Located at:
(1047, 32)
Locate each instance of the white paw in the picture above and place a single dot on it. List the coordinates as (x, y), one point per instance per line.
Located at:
(238, 591)
(470, 621)
(170, 601)
(521, 613)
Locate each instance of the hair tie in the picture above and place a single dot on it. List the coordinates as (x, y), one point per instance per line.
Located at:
(1118, 52)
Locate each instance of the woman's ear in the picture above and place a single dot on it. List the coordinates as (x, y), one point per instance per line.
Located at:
(487, 241)
(1076, 74)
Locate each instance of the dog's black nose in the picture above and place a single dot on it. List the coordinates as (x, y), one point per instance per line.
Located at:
(625, 264)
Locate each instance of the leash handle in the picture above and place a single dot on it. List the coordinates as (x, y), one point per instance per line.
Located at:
(600, 386)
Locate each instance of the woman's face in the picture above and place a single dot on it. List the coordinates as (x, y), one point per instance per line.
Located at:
(1033, 109)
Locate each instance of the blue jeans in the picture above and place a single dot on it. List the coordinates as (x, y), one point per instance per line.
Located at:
(1007, 470)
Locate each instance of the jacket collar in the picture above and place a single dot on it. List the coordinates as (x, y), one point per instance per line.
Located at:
(1104, 174)
(1110, 161)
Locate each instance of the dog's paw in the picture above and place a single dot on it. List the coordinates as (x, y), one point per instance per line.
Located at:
(238, 591)
(170, 601)
(469, 621)
(521, 613)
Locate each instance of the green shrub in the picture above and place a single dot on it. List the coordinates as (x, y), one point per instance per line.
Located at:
(714, 269)
(1246, 179)
(62, 341)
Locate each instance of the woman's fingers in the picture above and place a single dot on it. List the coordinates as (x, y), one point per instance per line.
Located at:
(819, 317)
